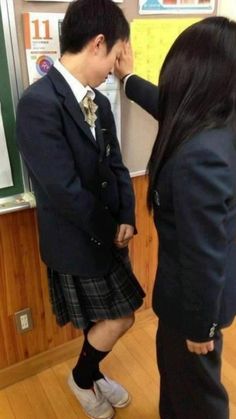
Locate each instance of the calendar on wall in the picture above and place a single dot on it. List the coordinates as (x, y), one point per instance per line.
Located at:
(42, 42)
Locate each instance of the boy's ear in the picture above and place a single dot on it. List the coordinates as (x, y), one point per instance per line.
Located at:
(98, 42)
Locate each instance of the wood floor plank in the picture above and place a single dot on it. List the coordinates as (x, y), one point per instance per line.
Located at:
(57, 397)
(19, 401)
(151, 330)
(144, 340)
(232, 408)
(137, 371)
(141, 356)
(5, 408)
(38, 399)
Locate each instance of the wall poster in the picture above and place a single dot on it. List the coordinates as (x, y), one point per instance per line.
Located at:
(151, 40)
(176, 6)
(42, 44)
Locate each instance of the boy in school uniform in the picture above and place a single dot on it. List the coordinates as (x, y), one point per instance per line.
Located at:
(85, 202)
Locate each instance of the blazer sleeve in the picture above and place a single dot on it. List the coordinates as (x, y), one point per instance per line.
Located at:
(42, 143)
(126, 193)
(144, 93)
(202, 192)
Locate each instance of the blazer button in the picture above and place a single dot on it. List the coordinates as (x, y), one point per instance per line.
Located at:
(212, 330)
(108, 150)
(104, 185)
(156, 198)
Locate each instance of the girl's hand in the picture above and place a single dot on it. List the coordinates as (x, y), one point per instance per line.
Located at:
(124, 63)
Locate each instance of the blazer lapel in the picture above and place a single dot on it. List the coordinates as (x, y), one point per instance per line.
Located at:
(70, 102)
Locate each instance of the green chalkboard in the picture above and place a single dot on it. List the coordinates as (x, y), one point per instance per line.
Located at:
(8, 115)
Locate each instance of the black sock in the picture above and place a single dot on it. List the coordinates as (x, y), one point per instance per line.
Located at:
(87, 368)
(97, 374)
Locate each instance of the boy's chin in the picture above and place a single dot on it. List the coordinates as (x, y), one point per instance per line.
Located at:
(94, 83)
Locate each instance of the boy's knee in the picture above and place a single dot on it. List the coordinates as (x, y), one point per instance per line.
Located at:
(123, 324)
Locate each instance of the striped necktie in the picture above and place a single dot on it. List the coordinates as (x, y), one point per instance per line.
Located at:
(89, 110)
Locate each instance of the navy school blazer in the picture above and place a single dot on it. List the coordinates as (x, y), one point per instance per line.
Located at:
(195, 216)
(83, 190)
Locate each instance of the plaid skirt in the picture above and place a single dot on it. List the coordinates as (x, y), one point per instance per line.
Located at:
(80, 300)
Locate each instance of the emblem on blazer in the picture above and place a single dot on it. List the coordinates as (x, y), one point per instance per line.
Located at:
(156, 198)
(108, 150)
(212, 330)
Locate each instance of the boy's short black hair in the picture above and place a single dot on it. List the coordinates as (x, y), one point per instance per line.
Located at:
(85, 19)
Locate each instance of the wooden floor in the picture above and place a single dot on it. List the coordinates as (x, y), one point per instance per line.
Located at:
(46, 395)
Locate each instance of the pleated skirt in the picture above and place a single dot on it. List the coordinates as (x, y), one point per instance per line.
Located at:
(80, 300)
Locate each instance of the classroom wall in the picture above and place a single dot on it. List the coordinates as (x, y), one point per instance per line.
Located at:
(227, 8)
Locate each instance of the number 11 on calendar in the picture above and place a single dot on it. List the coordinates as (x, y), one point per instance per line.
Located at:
(42, 42)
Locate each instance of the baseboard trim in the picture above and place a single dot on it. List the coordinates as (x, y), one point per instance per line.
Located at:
(40, 362)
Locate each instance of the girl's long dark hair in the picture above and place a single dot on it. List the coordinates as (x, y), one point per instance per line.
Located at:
(197, 88)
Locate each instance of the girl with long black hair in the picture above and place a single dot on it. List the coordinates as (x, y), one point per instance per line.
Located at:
(192, 194)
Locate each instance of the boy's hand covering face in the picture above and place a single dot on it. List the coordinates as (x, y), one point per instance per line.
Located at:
(124, 63)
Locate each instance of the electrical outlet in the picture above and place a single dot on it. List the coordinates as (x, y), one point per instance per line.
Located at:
(23, 320)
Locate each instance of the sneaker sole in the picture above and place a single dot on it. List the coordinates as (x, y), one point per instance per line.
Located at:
(93, 417)
(124, 404)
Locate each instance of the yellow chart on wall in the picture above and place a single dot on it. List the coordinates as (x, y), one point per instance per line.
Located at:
(151, 40)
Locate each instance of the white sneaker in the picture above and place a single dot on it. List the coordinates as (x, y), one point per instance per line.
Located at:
(93, 402)
(113, 392)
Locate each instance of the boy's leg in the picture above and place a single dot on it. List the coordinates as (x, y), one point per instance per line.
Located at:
(97, 396)
(97, 375)
(99, 341)
(86, 370)
(192, 382)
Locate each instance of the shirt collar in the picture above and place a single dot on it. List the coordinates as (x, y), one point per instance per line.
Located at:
(77, 88)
